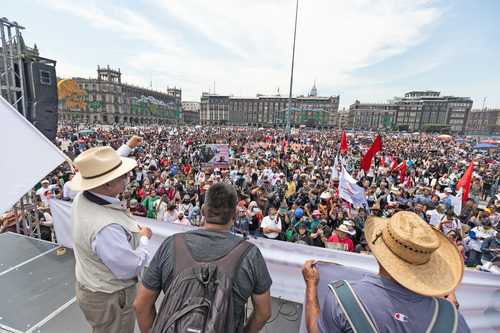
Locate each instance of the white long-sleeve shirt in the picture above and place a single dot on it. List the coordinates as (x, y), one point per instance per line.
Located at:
(112, 246)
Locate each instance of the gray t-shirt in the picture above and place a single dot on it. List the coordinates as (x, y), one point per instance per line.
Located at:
(252, 277)
(391, 307)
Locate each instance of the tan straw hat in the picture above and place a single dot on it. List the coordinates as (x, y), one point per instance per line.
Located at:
(97, 166)
(414, 254)
(343, 228)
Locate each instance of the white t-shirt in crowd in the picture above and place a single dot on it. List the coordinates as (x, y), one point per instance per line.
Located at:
(67, 192)
(42, 193)
(267, 222)
(435, 217)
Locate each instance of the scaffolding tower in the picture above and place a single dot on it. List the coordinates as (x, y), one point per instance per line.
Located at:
(12, 81)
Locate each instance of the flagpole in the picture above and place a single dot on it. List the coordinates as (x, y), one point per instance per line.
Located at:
(288, 113)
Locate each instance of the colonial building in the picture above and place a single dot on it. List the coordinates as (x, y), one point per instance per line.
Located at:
(268, 111)
(485, 122)
(191, 112)
(106, 100)
(373, 116)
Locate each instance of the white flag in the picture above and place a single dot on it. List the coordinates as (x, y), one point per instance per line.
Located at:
(350, 191)
(335, 169)
(456, 202)
(27, 156)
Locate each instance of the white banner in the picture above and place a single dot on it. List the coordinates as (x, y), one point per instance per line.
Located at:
(479, 293)
(350, 191)
(23, 147)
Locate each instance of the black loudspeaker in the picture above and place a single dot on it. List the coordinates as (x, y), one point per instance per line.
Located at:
(41, 88)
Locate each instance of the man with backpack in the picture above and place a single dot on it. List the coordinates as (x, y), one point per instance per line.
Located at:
(207, 276)
(419, 266)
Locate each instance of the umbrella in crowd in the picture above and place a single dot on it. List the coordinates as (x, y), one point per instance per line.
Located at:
(485, 146)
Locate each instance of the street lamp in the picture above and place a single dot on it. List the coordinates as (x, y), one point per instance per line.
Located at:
(291, 74)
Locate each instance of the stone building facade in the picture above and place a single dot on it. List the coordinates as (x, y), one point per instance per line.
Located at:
(373, 116)
(484, 122)
(421, 110)
(268, 111)
(191, 112)
(107, 100)
(416, 111)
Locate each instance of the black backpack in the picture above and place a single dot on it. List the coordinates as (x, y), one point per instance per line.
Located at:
(200, 297)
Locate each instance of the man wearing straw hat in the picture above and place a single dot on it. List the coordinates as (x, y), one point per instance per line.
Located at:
(418, 267)
(110, 247)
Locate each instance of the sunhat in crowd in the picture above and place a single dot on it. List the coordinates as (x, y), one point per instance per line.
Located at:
(344, 228)
(414, 254)
(325, 195)
(98, 166)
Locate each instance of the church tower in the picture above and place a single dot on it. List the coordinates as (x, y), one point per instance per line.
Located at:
(314, 90)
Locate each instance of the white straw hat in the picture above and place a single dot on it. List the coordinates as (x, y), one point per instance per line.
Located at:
(98, 166)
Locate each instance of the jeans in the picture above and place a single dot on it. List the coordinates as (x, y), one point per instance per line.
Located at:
(474, 258)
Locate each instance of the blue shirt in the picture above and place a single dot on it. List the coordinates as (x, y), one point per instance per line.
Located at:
(384, 298)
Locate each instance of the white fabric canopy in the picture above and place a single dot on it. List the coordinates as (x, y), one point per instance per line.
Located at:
(478, 294)
(27, 156)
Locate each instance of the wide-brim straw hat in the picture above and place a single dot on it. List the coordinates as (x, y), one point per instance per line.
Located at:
(414, 254)
(343, 228)
(98, 166)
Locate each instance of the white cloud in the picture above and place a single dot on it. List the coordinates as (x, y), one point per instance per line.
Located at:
(253, 40)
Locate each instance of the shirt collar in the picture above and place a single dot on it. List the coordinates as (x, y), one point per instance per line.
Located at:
(392, 286)
(111, 200)
(105, 200)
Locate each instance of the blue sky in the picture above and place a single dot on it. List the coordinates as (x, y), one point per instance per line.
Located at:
(371, 50)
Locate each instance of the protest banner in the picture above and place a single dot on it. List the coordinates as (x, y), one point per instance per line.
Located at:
(478, 294)
(214, 156)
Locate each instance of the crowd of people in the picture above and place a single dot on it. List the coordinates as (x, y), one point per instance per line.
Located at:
(288, 189)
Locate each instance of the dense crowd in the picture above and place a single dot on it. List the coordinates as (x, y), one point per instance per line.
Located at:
(288, 188)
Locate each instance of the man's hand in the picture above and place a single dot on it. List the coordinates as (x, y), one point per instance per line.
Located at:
(310, 273)
(134, 141)
(311, 306)
(145, 231)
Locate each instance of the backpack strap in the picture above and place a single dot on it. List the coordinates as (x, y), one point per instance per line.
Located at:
(352, 308)
(230, 262)
(183, 257)
(445, 318)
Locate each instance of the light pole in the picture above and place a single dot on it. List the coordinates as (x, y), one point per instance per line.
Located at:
(291, 74)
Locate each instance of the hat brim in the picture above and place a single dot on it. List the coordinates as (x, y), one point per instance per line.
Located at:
(438, 277)
(78, 183)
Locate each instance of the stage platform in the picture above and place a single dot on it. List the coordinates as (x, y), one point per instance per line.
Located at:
(37, 288)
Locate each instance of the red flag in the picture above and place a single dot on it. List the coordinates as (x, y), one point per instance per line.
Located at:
(465, 182)
(402, 171)
(343, 142)
(366, 162)
(394, 163)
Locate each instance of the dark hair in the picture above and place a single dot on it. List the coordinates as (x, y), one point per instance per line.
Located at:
(220, 203)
